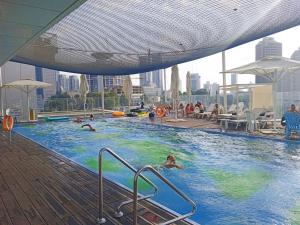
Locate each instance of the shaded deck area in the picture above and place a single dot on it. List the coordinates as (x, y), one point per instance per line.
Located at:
(38, 186)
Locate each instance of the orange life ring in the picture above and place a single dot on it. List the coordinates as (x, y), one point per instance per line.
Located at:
(160, 112)
(7, 123)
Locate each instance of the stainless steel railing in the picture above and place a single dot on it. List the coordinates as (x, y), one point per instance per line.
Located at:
(118, 213)
(155, 172)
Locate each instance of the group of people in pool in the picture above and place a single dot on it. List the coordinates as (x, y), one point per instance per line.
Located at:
(169, 163)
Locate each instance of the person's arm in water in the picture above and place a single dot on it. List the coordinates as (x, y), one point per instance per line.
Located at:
(88, 125)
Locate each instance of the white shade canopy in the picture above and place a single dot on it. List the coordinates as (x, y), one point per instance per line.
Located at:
(83, 89)
(27, 85)
(120, 37)
(127, 87)
(84, 86)
(270, 67)
(175, 82)
(273, 68)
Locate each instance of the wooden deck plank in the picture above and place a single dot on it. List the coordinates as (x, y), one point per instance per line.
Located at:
(4, 217)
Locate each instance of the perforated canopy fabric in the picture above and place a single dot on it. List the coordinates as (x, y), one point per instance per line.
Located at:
(119, 37)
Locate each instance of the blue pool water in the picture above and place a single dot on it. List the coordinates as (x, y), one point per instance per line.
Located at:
(233, 180)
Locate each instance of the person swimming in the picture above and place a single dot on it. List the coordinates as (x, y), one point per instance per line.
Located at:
(171, 163)
(88, 125)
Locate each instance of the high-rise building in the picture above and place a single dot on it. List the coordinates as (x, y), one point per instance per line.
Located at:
(267, 47)
(112, 81)
(207, 86)
(214, 89)
(157, 78)
(233, 78)
(62, 84)
(93, 83)
(73, 83)
(152, 78)
(50, 77)
(146, 79)
(195, 79)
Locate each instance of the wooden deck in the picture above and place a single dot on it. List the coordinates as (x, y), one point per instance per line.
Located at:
(38, 186)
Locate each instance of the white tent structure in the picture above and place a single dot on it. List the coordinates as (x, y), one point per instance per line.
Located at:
(127, 88)
(175, 87)
(27, 86)
(189, 85)
(273, 67)
(83, 89)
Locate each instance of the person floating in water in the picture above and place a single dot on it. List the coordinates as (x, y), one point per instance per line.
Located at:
(88, 125)
(171, 163)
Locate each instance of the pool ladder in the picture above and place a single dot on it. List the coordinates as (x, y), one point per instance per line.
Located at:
(137, 197)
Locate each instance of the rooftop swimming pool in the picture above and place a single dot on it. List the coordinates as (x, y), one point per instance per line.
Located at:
(233, 180)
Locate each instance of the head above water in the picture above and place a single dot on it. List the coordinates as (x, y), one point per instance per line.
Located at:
(171, 157)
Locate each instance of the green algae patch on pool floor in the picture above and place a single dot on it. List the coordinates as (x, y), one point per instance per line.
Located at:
(92, 163)
(150, 151)
(240, 186)
(142, 185)
(79, 149)
(102, 136)
(154, 153)
(295, 215)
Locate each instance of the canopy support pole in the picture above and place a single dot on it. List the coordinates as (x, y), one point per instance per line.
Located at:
(28, 110)
(274, 103)
(165, 84)
(224, 81)
(102, 94)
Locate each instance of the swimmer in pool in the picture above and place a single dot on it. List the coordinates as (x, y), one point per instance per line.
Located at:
(171, 163)
(89, 126)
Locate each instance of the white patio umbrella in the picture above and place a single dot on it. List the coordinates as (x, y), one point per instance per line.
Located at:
(175, 87)
(83, 89)
(27, 86)
(189, 85)
(273, 67)
(127, 88)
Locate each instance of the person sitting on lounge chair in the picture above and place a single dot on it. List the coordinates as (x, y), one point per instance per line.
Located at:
(292, 122)
(216, 111)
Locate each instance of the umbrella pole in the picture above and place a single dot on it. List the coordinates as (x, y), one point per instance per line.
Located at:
(28, 110)
(224, 81)
(274, 104)
(102, 94)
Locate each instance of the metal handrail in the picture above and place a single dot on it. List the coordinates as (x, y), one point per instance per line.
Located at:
(101, 219)
(155, 172)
